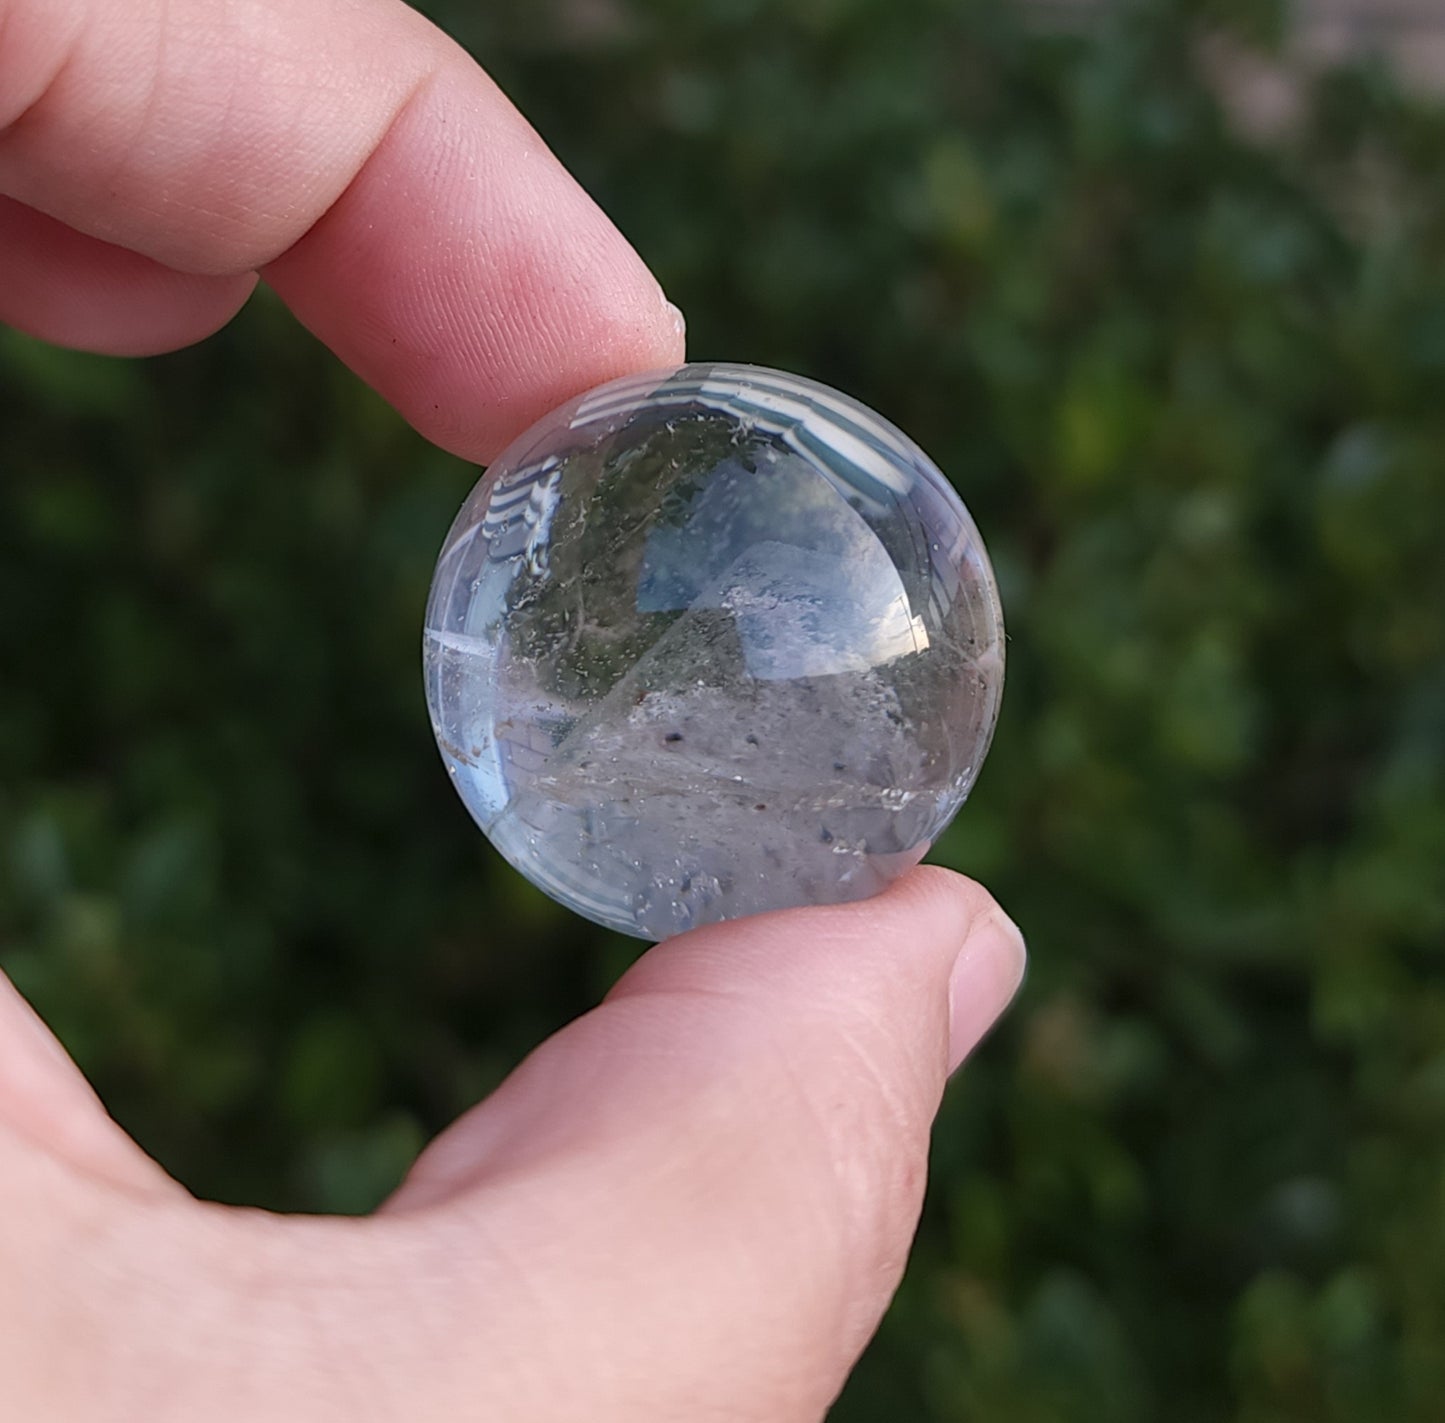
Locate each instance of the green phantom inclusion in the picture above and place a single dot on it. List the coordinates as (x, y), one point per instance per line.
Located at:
(713, 642)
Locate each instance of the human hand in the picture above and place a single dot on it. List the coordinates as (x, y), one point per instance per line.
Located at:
(694, 1202)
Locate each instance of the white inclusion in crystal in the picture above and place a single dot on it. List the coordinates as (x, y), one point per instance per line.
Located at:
(805, 614)
(541, 510)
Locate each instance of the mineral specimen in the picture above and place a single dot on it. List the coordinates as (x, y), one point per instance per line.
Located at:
(711, 642)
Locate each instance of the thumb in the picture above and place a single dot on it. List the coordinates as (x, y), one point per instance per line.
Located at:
(710, 1184)
(46, 1101)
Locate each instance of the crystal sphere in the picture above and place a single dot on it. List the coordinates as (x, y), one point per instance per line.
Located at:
(709, 642)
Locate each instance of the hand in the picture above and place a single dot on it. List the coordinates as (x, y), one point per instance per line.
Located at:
(693, 1203)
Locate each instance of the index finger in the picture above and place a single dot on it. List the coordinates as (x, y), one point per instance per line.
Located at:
(358, 159)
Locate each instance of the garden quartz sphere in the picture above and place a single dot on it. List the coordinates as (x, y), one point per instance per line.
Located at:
(711, 642)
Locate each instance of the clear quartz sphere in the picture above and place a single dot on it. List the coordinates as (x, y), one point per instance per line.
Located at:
(711, 642)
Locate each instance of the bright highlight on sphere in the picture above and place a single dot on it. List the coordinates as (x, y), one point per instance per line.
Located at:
(711, 642)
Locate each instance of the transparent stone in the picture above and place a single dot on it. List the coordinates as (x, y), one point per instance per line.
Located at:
(713, 642)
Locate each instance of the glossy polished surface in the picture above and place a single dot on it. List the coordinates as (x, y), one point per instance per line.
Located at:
(712, 642)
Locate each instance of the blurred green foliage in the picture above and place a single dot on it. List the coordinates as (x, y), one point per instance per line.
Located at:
(1191, 388)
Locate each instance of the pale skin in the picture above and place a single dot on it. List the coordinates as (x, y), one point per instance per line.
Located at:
(696, 1201)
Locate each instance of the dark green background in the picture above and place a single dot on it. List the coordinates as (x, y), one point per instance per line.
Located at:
(1193, 390)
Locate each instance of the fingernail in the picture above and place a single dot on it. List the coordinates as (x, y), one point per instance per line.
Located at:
(986, 976)
(679, 322)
